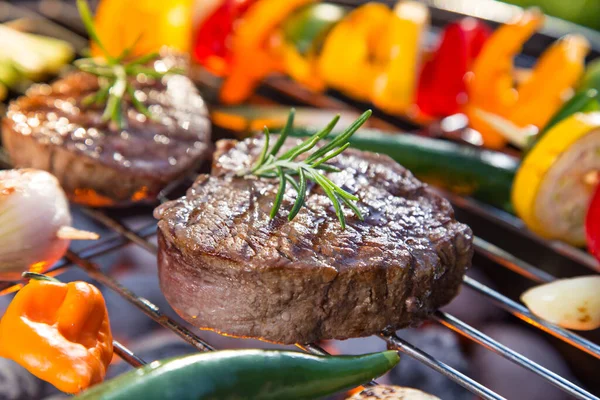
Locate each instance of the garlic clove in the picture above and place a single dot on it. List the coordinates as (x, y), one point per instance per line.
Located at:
(571, 303)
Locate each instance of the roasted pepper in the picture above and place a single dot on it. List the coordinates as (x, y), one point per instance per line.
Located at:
(395, 87)
(212, 40)
(554, 185)
(255, 47)
(357, 50)
(150, 24)
(442, 89)
(592, 219)
(59, 332)
(534, 100)
(245, 374)
(491, 86)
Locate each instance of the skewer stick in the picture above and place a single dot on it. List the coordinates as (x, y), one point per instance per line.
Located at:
(70, 233)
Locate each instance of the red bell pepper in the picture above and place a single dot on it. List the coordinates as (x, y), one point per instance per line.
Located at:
(442, 89)
(212, 41)
(592, 224)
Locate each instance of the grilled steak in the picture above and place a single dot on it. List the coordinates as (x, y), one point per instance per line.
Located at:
(96, 162)
(223, 265)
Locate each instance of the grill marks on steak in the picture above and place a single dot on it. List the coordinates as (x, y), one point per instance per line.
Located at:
(96, 162)
(224, 265)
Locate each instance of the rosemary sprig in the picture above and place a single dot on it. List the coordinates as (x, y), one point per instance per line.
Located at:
(286, 167)
(114, 72)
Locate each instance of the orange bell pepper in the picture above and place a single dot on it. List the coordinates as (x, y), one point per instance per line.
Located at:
(491, 86)
(545, 91)
(59, 332)
(533, 101)
(255, 46)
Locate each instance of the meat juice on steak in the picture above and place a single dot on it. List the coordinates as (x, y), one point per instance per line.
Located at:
(224, 265)
(96, 162)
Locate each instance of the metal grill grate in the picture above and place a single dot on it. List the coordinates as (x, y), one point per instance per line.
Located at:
(123, 236)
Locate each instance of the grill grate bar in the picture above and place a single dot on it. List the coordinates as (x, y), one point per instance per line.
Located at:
(523, 313)
(146, 306)
(121, 229)
(469, 332)
(127, 355)
(511, 262)
(475, 387)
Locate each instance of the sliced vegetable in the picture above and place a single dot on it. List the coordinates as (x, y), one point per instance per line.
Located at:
(592, 219)
(551, 193)
(59, 332)
(248, 374)
(34, 57)
(150, 24)
(395, 87)
(304, 33)
(540, 94)
(34, 222)
(442, 89)
(212, 41)
(255, 46)
(483, 174)
(570, 303)
(357, 50)
(491, 85)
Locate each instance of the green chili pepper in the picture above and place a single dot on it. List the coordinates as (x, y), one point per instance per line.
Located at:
(244, 374)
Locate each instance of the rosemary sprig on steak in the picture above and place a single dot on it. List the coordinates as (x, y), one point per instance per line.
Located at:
(288, 169)
(113, 74)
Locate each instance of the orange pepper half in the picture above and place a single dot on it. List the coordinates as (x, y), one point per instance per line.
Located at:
(59, 332)
(254, 47)
(533, 101)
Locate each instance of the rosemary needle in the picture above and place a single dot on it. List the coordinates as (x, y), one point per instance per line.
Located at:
(285, 167)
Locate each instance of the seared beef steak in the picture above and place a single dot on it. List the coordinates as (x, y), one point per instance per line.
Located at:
(96, 162)
(224, 265)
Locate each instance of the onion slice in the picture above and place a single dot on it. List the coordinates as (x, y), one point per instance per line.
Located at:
(571, 303)
(35, 222)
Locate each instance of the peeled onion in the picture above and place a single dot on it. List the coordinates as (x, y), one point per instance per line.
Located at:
(34, 222)
(571, 303)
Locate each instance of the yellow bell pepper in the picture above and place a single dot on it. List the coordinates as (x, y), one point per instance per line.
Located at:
(394, 88)
(357, 50)
(150, 24)
(551, 191)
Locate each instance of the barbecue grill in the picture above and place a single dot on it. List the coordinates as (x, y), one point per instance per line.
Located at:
(502, 243)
